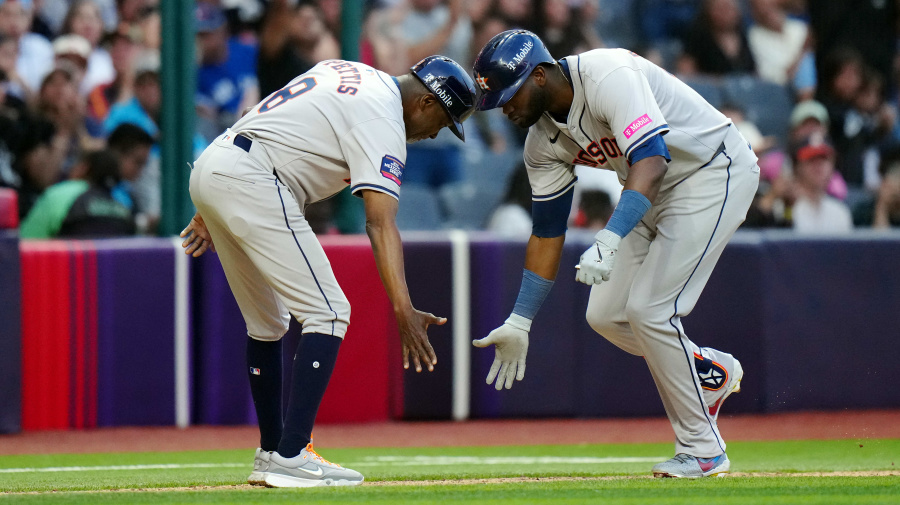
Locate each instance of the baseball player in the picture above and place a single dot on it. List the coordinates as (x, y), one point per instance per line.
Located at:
(688, 178)
(340, 124)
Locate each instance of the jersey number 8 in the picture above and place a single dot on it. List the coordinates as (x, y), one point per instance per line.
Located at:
(284, 94)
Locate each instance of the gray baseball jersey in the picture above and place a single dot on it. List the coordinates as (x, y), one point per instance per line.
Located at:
(622, 101)
(339, 123)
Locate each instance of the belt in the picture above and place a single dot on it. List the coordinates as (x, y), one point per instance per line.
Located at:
(243, 142)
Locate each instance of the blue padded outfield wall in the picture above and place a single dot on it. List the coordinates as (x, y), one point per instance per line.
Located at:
(140, 334)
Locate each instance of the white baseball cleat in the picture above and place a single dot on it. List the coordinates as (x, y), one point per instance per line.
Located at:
(260, 468)
(732, 386)
(308, 469)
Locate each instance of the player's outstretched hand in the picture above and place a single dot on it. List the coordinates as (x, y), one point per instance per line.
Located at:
(413, 326)
(196, 237)
(510, 347)
(597, 262)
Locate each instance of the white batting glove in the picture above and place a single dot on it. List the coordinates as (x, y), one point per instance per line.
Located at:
(510, 346)
(597, 262)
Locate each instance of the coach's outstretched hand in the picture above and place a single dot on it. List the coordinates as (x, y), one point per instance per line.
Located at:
(413, 326)
(196, 237)
(510, 347)
(597, 262)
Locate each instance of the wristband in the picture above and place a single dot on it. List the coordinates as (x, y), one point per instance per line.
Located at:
(629, 212)
(532, 293)
(518, 322)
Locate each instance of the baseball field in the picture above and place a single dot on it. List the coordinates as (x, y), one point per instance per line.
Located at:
(854, 461)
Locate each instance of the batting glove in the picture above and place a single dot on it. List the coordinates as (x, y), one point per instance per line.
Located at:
(597, 262)
(510, 346)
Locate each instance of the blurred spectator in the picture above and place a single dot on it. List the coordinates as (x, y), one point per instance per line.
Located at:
(124, 52)
(382, 45)
(842, 80)
(13, 118)
(717, 43)
(292, 40)
(140, 19)
(52, 14)
(778, 43)
(664, 20)
(39, 23)
(35, 54)
(143, 108)
(512, 218)
(433, 27)
(748, 129)
(59, 103)
(81, 207)
(814, 211)
(37, 163)
(131, 146)
(84, 19)
(565, 31)
(886, 212)
(72, 52)
(868, 26)
(594, 209)
(226, 78)
(808, 117)
(518, 14)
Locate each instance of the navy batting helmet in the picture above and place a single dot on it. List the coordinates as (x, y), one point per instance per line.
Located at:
(504, 63)
(451, 85)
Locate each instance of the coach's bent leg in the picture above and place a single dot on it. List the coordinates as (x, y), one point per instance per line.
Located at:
(313, 364)
(264, 369)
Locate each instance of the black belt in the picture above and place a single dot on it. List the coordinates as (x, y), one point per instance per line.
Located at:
(243, 142)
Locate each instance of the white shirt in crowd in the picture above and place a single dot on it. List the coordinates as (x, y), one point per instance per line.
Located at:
(775, 52)
(830, 215)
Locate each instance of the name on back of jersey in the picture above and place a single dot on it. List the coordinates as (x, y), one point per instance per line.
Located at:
(349, 73)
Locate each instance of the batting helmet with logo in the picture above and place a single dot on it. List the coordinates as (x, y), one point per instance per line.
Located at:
(451, 85)
(504, 63)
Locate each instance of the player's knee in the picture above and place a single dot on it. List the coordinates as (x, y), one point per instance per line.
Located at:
(601, 322)
(641, 314)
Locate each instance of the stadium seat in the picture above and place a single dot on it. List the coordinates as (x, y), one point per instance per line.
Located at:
(468, 204)
(765, 104)
(709, 89)
(419, 208)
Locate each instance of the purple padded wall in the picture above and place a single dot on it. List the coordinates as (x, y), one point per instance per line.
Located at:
(136, 332)
(10, 333)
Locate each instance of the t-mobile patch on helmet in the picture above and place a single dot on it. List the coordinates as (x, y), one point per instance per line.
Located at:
(392, 168)
(636, 125)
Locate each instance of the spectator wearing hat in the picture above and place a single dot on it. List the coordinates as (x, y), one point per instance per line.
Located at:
(72, 51)
(814, 211)
(84, 19)
(35, 54)
(226, 78)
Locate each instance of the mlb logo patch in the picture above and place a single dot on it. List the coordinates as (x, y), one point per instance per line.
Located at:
(254, 371)
(392, 168)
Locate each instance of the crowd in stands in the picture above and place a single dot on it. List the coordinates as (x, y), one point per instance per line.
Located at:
(811, 84)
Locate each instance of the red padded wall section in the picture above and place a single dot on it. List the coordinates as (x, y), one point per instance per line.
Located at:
(360, 389)
(46, 328)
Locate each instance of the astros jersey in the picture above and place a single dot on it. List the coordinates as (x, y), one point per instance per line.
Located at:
(620, 102)
(339, 124)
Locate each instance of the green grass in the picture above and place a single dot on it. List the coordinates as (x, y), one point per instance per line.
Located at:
(77, 487)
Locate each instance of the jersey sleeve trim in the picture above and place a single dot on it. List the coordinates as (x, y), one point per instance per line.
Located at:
(645, 137)
(382, 189)
(555, 194)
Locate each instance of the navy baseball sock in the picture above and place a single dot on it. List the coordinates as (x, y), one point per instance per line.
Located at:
(313, 364)
(264, 363)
